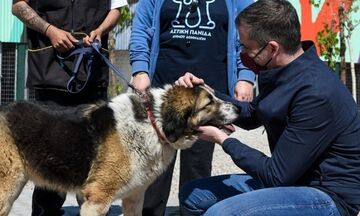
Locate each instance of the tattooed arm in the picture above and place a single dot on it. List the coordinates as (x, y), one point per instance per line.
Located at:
(30, 18)
(60, 39)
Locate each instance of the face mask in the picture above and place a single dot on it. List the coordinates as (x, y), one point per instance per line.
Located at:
(250, 62)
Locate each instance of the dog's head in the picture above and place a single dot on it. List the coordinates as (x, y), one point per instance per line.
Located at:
(184, 109)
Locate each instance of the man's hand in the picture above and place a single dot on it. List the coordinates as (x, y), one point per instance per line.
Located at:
(212, 134)
(141, 81)
(61, 40)
(189, 80)
(94, 35)
(244, 91)
(105, 27)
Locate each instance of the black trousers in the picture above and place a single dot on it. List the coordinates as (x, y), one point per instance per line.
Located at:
(195, 163)
(46, 202)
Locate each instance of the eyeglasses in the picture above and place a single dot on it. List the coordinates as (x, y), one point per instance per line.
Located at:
(193, 6)
(242, 47)
(258, 53)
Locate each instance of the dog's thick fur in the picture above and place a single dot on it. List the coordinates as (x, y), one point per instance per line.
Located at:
(103, 151)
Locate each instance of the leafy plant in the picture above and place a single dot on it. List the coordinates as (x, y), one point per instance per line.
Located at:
(316, 3)
(333, 45)
(125, 17)
(328, 44)
(115, 87)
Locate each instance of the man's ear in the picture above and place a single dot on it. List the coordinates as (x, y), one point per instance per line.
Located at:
(275, 47)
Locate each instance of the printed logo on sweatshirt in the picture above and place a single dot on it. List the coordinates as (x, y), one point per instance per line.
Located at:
(199, 27)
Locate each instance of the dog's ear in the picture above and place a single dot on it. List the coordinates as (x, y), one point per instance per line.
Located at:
(198, 112)
(177, 110)
(175, 124)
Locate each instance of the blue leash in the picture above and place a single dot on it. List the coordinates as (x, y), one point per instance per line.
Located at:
(97, 46)
(89, 51)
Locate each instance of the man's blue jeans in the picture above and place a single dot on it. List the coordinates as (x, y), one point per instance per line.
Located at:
(243, 195)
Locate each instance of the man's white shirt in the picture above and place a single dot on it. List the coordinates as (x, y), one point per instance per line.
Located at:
(117, 3)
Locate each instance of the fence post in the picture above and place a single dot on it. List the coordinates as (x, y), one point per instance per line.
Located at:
(21, 65)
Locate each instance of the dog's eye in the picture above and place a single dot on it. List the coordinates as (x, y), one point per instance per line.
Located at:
(206, 101)
(209, 102)
(206, 105)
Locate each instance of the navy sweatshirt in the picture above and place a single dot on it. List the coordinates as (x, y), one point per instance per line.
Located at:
(313, 129)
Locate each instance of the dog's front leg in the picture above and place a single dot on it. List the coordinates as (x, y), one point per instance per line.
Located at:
(97, 200)
(133, 204)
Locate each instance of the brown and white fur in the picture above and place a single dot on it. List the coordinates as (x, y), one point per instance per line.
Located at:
(103, 151)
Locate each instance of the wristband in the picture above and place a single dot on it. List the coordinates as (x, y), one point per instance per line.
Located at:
(46, 29)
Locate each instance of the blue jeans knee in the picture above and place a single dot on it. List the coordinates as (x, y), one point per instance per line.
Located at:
(197, 196)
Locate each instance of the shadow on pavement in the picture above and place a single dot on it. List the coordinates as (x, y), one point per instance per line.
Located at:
(116, 210)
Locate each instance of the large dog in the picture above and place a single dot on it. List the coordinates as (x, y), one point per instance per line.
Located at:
(103, 151)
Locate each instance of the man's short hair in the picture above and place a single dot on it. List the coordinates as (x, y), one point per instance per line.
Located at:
(272, 20)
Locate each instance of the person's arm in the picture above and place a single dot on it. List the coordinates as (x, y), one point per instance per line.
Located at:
(140, 43)
(105, 27)
(244, 90)
(109, 22)
(60, 39)
(310, 130)
(244, 87)
(28, 16)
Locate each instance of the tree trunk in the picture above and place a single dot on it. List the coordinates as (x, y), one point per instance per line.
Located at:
(114, 83)
(353, 80)
(342, 41)
(352, 68)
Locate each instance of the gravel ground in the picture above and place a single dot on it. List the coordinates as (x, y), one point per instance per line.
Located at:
(222, 164)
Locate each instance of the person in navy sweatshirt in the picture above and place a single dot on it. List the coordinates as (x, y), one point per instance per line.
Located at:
(171, 37)
(312, 123)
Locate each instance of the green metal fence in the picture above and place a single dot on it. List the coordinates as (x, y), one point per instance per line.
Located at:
(12, 67)
(11, 28)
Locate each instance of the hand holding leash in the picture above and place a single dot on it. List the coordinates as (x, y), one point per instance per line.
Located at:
(61, 40)
(141, 81)
(94, 36)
